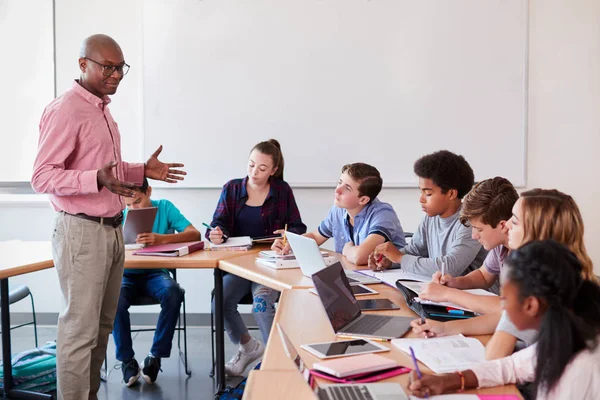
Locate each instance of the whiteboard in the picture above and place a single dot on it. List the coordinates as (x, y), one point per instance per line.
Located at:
(27, 71)
(335, 81)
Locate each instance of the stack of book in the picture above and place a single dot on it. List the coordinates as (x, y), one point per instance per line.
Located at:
(240, 243)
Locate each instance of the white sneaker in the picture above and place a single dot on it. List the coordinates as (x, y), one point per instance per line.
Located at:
(238, 364)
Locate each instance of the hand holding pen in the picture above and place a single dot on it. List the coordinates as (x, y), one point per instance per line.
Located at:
(418, 371)
(216, 235)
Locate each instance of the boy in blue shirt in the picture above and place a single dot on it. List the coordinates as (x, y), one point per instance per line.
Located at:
(156, 283)
(358, 221)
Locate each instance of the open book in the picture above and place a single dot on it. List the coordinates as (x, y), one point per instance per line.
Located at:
(445, 354)
(390, 276)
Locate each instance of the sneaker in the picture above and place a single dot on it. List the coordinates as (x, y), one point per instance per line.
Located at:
(238, 364)
(131, 372)
(151, 368)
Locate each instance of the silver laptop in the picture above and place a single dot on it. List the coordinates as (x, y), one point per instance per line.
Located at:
(346, 391)
(344, 312)
(311, 260)
(138, 220)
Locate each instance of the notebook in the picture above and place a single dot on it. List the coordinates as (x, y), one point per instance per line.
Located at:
(233, 243)
(445, 354)
(417, 287)
(354, 365)
(170, 250)
(138, 220)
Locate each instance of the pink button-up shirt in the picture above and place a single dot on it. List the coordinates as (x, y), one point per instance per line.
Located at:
(78, 136)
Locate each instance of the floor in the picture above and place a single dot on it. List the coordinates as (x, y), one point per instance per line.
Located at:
(171, 384)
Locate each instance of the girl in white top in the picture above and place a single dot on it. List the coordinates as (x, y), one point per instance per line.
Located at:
(542, 289)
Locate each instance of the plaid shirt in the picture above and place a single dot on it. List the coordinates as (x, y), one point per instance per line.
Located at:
(278, 209)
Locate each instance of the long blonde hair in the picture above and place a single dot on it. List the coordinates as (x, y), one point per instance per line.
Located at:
(551, 214)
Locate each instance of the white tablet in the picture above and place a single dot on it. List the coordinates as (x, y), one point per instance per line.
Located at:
(344, 348)
(138, 220)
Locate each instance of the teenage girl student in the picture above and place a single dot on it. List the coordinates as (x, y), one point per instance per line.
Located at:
(543, 289)
(539, 214)
(260, 204)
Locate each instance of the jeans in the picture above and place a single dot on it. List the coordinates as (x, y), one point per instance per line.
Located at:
(167, 292)
(263, 307)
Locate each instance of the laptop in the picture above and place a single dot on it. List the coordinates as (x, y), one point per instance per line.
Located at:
(344, 312)
(311, 260)
(138, 220)
(346, 391)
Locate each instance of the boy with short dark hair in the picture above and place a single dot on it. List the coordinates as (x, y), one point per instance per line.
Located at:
(358, 221)
(486, 209)
(156, 283)
(444, 179)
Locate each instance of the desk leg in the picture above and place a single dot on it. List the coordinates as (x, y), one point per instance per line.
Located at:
(8, 391)
(5, 323)
(219, 330)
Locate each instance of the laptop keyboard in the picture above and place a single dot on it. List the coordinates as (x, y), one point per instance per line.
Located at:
(369, 324)
(348, 393)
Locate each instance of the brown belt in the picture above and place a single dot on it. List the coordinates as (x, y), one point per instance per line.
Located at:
(110, 221)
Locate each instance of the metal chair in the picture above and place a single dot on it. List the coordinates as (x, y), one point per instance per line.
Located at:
(18, 294)
(148, 301)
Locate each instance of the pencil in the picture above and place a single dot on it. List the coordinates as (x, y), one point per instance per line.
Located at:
(284, 236)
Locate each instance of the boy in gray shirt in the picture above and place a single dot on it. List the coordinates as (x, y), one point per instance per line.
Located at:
(444, 179)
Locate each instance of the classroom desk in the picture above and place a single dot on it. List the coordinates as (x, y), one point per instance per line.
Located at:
(288, 385)
(301, 315)
(18, 258)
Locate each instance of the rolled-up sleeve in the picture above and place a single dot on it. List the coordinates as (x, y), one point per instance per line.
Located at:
(386, 223)
(326, 226)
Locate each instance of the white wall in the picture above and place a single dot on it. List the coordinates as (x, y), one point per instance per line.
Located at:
(563, 139)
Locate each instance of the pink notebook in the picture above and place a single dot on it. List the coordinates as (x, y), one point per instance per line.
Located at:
(170, 250)
(362, 364)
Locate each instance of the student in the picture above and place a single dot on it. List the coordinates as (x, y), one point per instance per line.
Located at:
(539, 214)
(260, 204)
(357, 221)
(543, 289)
(486, 209)
(156, 283)
(444, 179)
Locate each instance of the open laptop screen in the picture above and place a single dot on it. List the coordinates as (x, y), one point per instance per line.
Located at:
(335, 293)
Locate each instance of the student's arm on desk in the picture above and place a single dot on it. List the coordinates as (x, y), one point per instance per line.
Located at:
(189, 234)
(359, 255)
(502, 344)
(482, 325)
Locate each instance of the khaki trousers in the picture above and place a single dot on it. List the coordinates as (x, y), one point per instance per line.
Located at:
(89, 259)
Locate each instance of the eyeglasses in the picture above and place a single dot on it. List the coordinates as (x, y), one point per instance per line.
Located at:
(108, 70)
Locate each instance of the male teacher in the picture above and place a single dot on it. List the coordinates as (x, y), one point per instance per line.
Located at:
(79, 165)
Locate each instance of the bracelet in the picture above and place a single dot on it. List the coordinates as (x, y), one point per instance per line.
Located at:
(462, 381)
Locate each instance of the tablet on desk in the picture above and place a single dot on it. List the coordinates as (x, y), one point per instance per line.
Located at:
(344, 348)
(138, 220)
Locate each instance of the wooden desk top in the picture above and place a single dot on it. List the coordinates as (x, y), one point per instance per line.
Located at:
(197, 260)
(301, 315)
(276, 385)
(18, 257)
(278, 279)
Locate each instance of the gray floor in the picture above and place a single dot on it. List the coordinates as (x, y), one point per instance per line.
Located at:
(171, 384)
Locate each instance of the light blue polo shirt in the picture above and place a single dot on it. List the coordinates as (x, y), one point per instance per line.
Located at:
(377, 217)
(168, 220)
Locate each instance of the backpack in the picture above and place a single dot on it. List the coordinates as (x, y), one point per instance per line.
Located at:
(234, 393)
(34, 369)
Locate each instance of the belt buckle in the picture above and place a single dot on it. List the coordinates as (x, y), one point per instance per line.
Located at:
(118, 219)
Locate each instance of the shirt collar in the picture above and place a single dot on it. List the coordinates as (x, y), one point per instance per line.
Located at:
(362, 213)
(89, 97)
(244, 192)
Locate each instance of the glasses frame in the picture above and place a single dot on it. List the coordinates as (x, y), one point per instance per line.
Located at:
(122, 69)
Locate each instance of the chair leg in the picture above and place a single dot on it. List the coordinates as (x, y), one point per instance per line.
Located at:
(35, 335)
(212, 342)
(187, 370)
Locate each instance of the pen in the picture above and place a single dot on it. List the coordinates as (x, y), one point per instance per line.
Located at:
(423, 321)
(211, 228)
(458, 312)
(375, 339)
(419, 374)
(443, 269)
